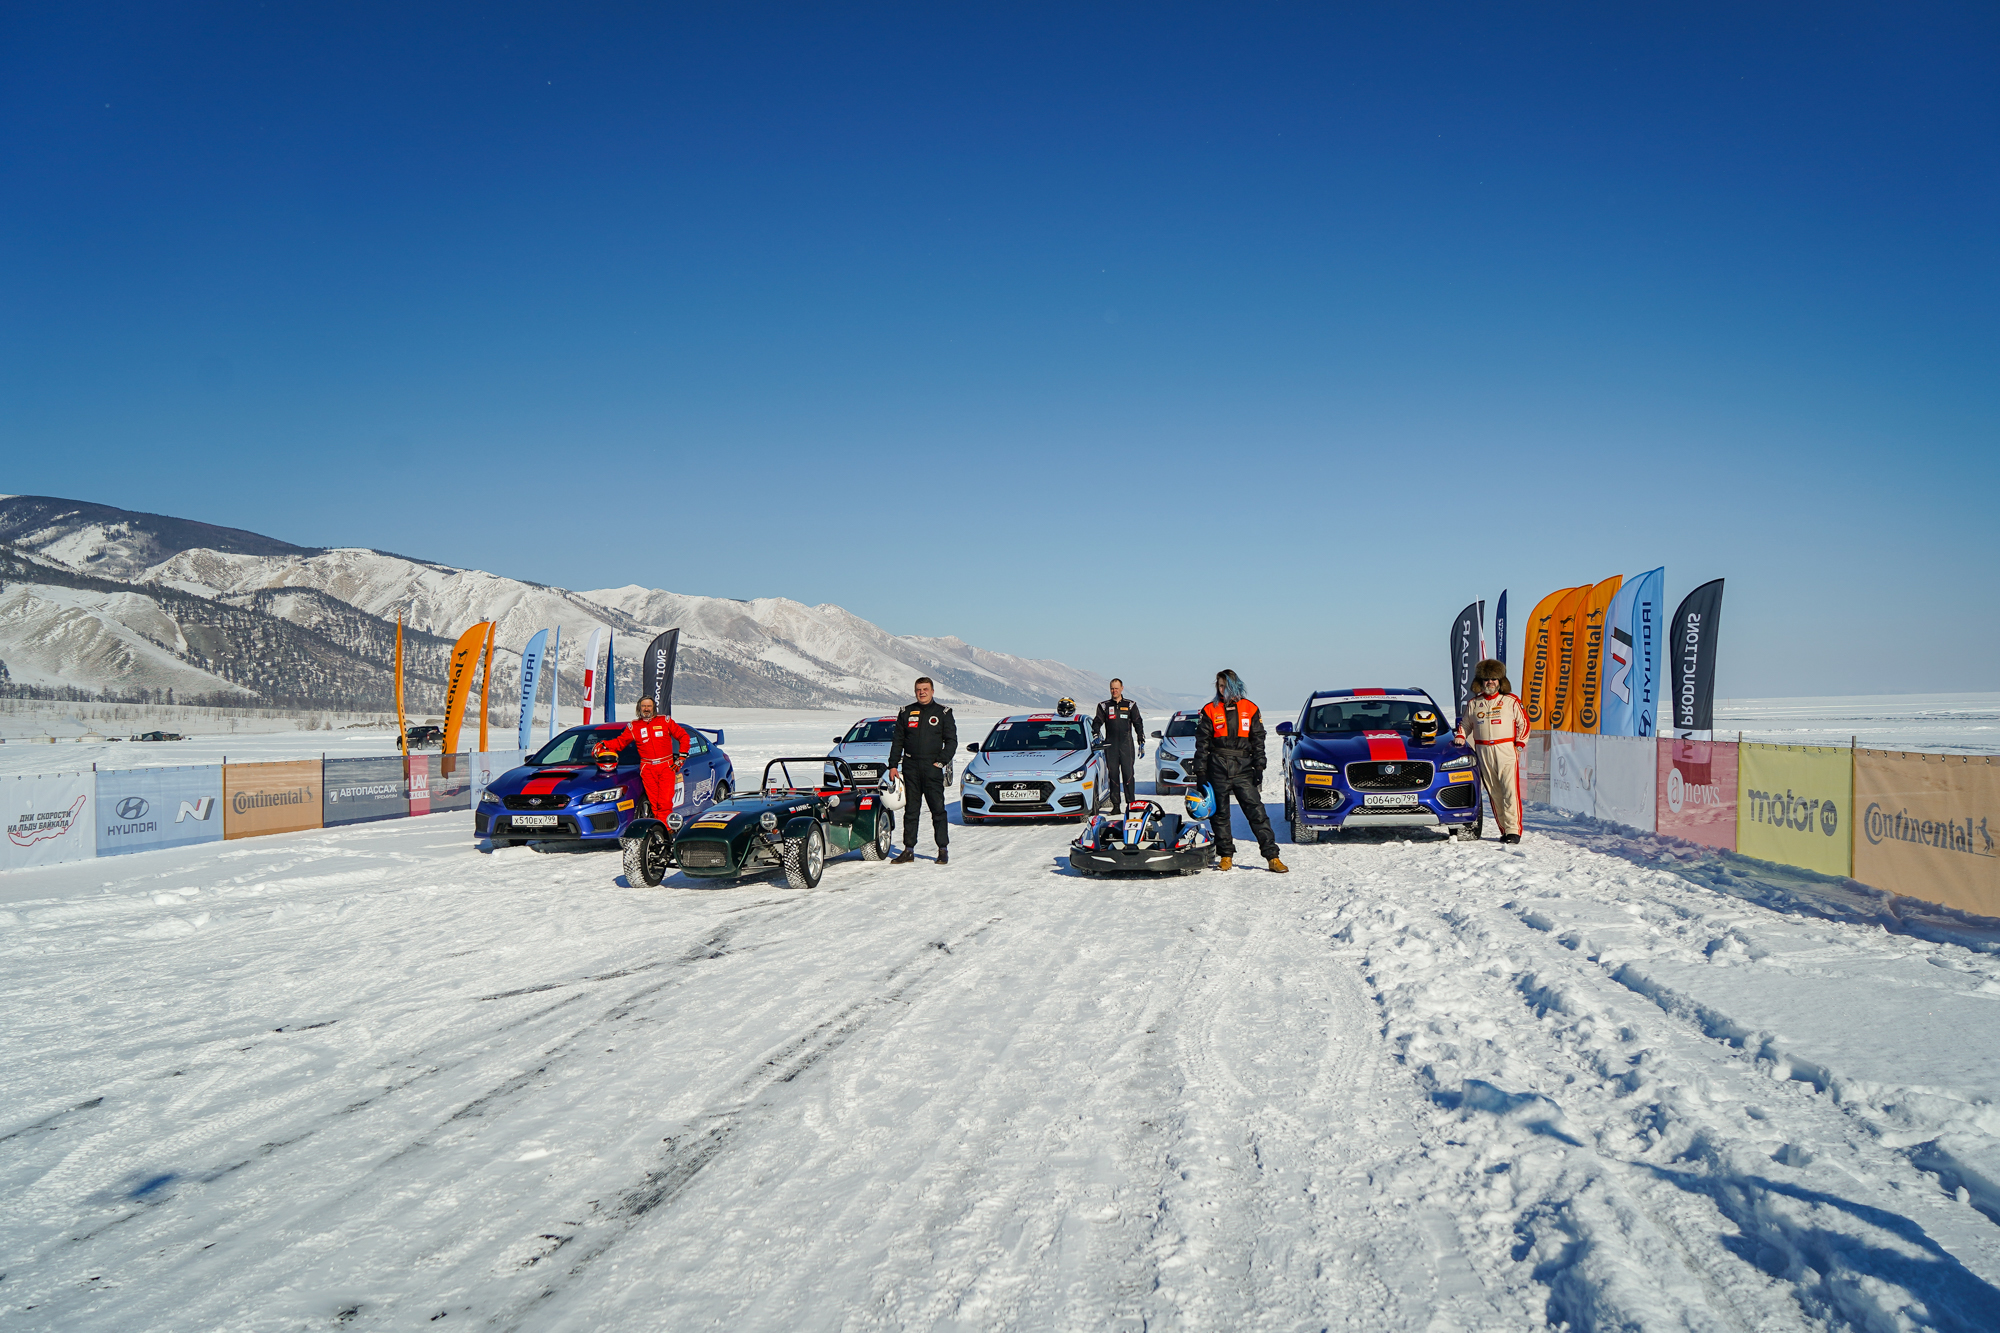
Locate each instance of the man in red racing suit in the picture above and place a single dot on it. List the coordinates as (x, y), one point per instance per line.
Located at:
(663, 745)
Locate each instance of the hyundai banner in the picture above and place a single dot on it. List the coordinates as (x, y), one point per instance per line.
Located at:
(48, 820)
(1690, 656)
(360, 790)
(1464, 648)
(531, 679)
(150, 809)
(1632, 658)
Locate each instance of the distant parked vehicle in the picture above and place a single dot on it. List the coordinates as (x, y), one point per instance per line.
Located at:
(158, 736)
(422, 738)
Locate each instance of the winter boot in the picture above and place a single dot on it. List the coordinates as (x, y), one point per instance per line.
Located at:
(944, 857)
(909, 855)
(1279, 866)
(1510, 837)
(1224, 864)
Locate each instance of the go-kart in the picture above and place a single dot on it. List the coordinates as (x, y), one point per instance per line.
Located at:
(1144, 840)
(792, 822)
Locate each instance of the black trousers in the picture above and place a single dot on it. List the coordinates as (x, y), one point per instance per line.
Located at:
(1118, 784)
(1243, 786)
(924, 782)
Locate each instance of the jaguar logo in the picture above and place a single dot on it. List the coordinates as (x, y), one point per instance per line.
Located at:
(1391, 770)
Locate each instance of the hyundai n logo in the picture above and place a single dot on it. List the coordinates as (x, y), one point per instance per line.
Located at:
(200, 808)
(132, 807)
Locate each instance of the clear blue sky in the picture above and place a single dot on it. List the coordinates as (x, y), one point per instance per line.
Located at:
(1150, 338)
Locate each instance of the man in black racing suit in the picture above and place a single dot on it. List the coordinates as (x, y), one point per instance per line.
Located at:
(926, 739)
(1229, 757)
(1118, 723)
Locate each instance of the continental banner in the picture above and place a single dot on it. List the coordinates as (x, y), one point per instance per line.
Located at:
(270, 798)
(1587, 693)
(1627, 771)
(1927, 827)
(1696, 801)
(49, 820)
(458, 681)
(1573, 772)
(1564, 632)
(1538, 659)
(149, 809)
(361, 790)
(1795, 806)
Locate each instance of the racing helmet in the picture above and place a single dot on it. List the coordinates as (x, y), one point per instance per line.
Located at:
(891, 791)
(1065, 706)
(606, 758)
(1424, 727)
(1200, 802)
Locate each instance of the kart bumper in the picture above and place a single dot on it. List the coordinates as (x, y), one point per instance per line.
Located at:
(1138, 860)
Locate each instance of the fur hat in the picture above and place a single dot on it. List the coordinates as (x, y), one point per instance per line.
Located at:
(1490, 669)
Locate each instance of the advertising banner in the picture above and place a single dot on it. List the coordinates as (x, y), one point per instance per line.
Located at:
(1690, 654)
(1795, 806)
(1565, 633)
(1464, 655)
(1500, 628)
(656, 673)
(554, 670)
(360, 790)
(458, 679)
(1927, 827)
(1631, 699)
(1535, 768)
(418, 771)
(1697, 791)
(483, 768)
(1538, 659)
(1627, 777)
(531, 680)
(1588, 684)
(148, 809)
(270, 798)
(48, 819)
(1573, 772)
(451, 790)
(611, 677)
(590, 675)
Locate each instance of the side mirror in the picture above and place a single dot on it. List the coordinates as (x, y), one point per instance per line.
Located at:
(838, 741)
(1284, 728)
(972, 749)
(1097, 745)
(1158, 737)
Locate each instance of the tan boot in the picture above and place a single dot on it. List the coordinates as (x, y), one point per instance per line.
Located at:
(1280, 866)
(1224, 865)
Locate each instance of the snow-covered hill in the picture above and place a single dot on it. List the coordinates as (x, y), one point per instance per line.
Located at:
(768, 651)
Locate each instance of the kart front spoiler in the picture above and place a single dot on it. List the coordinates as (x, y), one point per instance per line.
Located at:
(1118, 860)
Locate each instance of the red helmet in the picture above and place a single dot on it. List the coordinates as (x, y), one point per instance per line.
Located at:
(607, 759)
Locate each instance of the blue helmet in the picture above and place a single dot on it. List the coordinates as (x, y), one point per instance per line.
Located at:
(1200, 802)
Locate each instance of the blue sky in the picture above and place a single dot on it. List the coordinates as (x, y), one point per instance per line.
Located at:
(1150, 338)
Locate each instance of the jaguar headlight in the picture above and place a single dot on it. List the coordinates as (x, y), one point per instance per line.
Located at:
(768, 820)
(1463, 761)
(1077, 776)
(1316, 766)
(608, 794)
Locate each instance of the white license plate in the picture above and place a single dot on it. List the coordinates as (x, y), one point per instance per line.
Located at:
(1019, 795)
(1395, 799)
(533, 821)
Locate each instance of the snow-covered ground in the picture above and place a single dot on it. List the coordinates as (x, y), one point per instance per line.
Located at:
(376, 1078)
(1951, 723)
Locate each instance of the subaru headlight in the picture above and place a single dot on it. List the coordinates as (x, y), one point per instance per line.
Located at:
(1076, 776)
(1316, 766)
(1463, 761)
(768, 820)
(974, 780)
(608, 794)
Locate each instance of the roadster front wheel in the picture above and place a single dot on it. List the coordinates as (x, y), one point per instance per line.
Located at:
(645, 859)
(805, 859)
(878, 847)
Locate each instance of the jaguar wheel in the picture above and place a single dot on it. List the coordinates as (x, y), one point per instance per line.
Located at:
(805, 859)
(1471, 832)
(878, 847)
(645, 859)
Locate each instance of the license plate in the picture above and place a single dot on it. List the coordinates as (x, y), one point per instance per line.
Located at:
(1391, 799)
(533, 821)
(1019, 795)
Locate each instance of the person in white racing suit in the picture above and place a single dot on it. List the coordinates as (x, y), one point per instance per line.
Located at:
(1497, 725)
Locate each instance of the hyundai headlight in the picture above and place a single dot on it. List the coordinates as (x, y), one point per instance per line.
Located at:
(974, 780)
(1078, 776)
(1316, 766)
(1463, 761)
(608, 794)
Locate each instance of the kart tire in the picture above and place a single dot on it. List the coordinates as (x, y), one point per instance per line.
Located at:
(805, 859)
(878, 847)
(645, 859)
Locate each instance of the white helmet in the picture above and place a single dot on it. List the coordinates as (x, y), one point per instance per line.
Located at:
(891, 791)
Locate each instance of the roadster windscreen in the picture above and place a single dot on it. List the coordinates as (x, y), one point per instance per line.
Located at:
(1180, 726)
(880, 731)
(1351, 717)
(579, 746)
(1036, 736)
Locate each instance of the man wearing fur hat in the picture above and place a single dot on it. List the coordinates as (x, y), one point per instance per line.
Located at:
(1497, 725)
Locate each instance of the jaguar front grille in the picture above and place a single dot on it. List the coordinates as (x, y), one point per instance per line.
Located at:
(1390, 775)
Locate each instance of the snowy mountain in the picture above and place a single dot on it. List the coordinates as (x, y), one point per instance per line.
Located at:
(770, 652)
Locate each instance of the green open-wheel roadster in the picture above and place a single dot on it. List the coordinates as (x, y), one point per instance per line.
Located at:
(792, 822)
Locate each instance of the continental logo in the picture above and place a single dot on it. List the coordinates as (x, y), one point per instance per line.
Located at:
(1682, 793)
(1801, 814)
(1593, 666)
(1565, 638)
(243, 802)
(1538, 667)
(1947, 835)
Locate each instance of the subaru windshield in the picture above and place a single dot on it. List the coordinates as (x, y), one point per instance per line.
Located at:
(1052, 734)
(579, 747)
(1351, 717)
